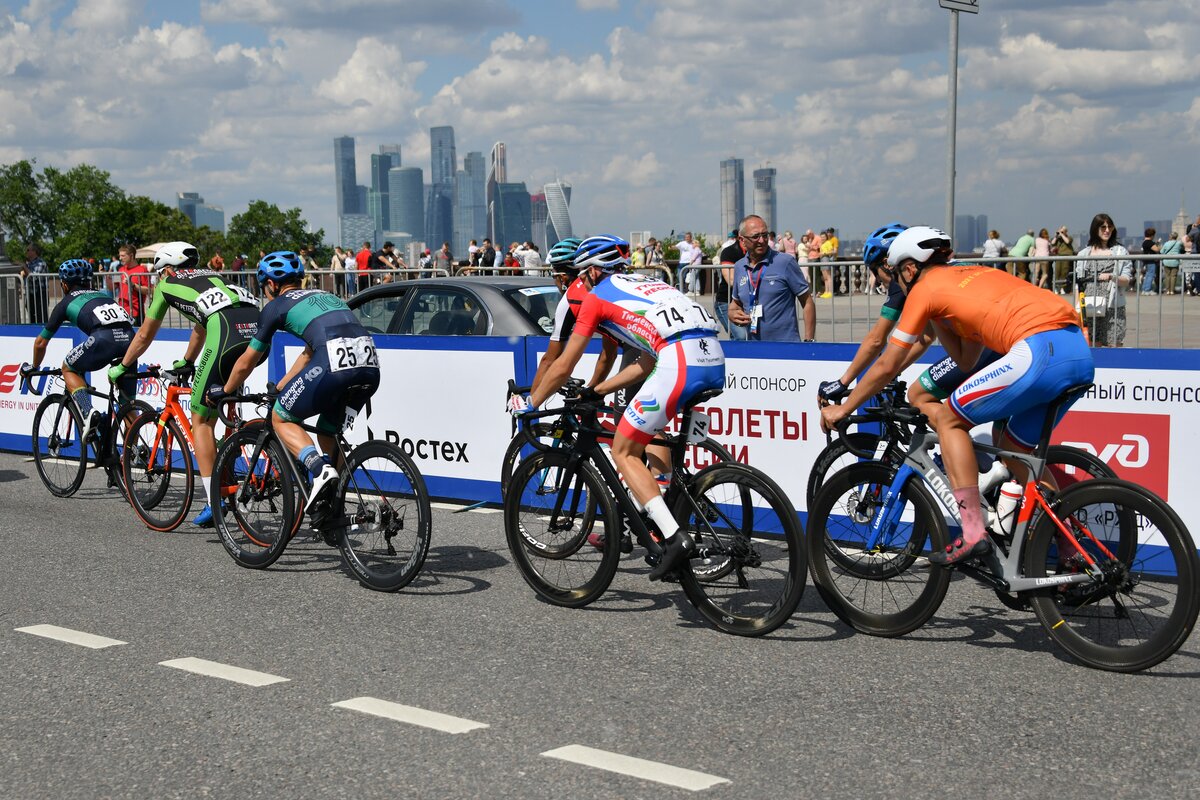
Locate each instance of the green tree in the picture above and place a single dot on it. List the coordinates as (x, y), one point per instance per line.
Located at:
(265, 227)
(24, 212)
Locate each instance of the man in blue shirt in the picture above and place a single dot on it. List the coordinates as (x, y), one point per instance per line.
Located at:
(766, 285)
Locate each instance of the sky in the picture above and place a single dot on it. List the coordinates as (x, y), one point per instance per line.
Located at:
(1065, 108)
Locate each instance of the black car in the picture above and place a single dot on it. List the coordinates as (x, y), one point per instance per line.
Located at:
(468, 306)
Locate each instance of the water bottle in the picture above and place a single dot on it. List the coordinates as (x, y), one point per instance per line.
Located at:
(995, 474)
(1006, 507)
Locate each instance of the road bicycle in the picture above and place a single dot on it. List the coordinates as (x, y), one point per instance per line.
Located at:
(1066, 464)
(379, 518)
(567, 512)
(1108, 568)
(59, 452)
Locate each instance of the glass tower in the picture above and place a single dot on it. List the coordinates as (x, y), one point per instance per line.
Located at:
(733, 194)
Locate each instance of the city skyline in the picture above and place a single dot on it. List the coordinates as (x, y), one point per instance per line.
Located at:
(1058, 118)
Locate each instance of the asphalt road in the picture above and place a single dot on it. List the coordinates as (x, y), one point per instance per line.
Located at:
(977, 704)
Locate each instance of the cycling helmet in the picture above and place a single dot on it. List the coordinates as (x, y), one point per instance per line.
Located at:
(608, 253)
(922, 244)
(180, 255)
(876, 248)
(279, 266)
(75, 271)
(562, 255)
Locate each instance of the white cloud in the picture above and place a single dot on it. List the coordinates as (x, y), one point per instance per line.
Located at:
(638, 173)
(104, 16)
(598, 5)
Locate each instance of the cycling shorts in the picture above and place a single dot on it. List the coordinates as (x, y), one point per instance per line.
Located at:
(685, 368)
(226, 336)
(1021, 384)
(946, 375)
(101, 348)
(321, 390)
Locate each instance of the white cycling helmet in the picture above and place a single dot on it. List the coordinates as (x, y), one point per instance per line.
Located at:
(180, 255)
(920, 243)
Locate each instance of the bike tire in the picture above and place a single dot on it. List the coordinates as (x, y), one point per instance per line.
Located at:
(554, 554)
(59, 453)
(527, 440)
(114, 446)
(714, 568)
(893, 589)
(833, 457)
(759, 537)
(383, 496)
(256, 516)
(159, 472)
(1145, 606)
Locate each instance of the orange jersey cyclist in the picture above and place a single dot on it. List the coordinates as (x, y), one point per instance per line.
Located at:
(1042, 354)
(680, 358)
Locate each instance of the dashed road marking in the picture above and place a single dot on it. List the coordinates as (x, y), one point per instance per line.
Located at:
(636, 767)
(215, 669)
(410, 714)
(71, 637)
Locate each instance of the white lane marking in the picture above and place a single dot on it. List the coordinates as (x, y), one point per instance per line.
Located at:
(636, 767)
(410, 714)
(71, 637)
(215, 669)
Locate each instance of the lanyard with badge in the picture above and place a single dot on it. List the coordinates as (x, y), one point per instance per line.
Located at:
(755, 309)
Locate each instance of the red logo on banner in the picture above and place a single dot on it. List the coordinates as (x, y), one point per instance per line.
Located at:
(1136, 446)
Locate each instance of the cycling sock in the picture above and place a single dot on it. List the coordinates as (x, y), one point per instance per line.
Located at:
(83, 400)
(656, 507)
(313, 461)
(209, 489)
(969, 510)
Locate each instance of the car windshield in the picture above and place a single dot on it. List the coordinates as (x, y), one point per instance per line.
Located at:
(537, 303)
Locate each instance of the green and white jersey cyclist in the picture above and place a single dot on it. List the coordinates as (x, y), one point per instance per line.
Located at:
(224, 317)
(339, 355)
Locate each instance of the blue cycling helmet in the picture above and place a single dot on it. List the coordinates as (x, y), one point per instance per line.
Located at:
(608, 253)
(279, 266)
(75, 271)
(562, 255)
(876, 248)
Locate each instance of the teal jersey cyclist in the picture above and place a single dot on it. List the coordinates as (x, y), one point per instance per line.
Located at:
(331, 380)
(224, 317)
(109, 331)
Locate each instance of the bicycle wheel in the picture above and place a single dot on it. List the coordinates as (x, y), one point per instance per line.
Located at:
(891, 588)
(383, 495)
(737, 514)
(1140, 609)
(158, 469)
(115, 443)
(835, 456)
(528, 440)
(550, 513)
(1070, 465)
(58, 452)
(257, 514)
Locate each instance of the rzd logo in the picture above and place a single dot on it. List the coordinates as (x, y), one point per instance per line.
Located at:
(1136, 446)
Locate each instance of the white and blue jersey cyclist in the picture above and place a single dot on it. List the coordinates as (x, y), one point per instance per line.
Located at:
(331, 380)
(680, 351)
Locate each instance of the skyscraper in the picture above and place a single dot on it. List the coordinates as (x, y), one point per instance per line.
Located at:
(470, 205)
(406, 196)
(378, 200)
(558, 201)
(345, 179)
(512, 213)
(764, 196)
(443, 163)
(497, 174)
(733, 194)
(537, 221)
(970, 232)
(201, 213)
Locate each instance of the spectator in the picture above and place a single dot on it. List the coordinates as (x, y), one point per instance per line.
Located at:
(511, 261)
(425, 264)
(1171, 265)
(994, 247)
(216, 263)
(442, 259)
(1041, 267)
(730, 254)
(637, 259)
(1103, 271)
(1063, 245)
(362, 262)
(33, 274)
(500, 260)
(766, 285)
(654, 253)
(690, 256)
(1021, 249)
(383, 263)
(132, 289)
(487, 255)
(828, 252)
(788, 245)
(1149, 269)
(473, 254)
(337, 266)
(1193, 235)
(309, 281)
(532, 261)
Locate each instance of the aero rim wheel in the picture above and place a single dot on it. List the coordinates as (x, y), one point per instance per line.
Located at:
(748, 573)
(562, 529)
(888, 588)
(387, 517)
(58, 453)
(158, 472)
(256, 515)
(1138, 608)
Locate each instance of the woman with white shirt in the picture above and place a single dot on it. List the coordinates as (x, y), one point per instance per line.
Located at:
(1041, 268)
(1104, 261)
(994, 248)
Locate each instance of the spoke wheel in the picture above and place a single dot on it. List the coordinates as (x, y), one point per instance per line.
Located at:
(58, 452)
(159, 473)
(257, 514)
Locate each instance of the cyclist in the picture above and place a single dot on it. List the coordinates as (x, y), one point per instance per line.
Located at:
(338, 354)
(225, 316)
(1042, 354)
(109, 330)
(680, 358)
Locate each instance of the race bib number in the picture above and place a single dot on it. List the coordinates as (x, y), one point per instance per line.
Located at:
(210, 301)
(348, 422)
(698, 430)
(349, 353)
(677, 315)
(111, 314)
